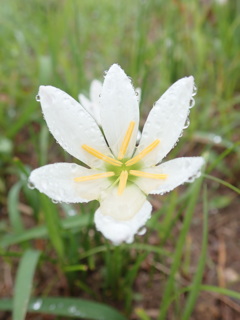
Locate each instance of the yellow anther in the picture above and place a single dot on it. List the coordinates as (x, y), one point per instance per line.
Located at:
(94, 176)
(143, 174)
(101, 156)
(126, 140)
(123, 181)
(143, 153)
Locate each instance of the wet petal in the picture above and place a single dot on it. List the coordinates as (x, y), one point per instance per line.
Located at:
(119, 107)
(124, 206)
(57, 182)
(178, 171)
(166, 120)
(92, 105)
(122, 231)
(71, 125)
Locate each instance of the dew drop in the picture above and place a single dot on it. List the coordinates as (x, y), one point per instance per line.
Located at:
(192, 103)
(217, 139)
(142, 231)
(52, 307)
(55, 201)
(37, 98)
(187, 123)
(31, 185)
(72, 309)
(37, 304)
(194, 91)
(73, 167)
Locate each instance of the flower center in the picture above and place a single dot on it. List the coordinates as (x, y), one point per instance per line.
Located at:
(119, 170)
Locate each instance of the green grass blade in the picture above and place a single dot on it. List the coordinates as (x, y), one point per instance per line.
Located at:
(12, 202)
(23, 285)
(78, 221)
(53, 225)
(67, 307)
(226, 184)
(196, 285)
(179, 250)
(222, 291)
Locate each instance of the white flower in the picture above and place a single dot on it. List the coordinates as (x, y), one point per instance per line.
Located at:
(119, 175)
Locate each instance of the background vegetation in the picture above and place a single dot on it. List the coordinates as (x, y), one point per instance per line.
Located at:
(51, 257)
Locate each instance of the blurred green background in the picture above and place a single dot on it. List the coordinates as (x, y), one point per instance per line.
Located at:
(67, 44)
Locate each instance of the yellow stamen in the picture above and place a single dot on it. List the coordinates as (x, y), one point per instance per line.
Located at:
(122, 182)
(143, 153)
(101, 156)
(142, 174)
(126, 140)
(94, 176)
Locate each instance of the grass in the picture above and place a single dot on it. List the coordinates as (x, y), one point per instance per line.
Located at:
(67, 44)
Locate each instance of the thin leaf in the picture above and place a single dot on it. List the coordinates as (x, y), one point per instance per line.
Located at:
(12, 202)
(68, 307)
(23, 285)
(168, 292)
(53, 225)
(196, 285)
(78, 221)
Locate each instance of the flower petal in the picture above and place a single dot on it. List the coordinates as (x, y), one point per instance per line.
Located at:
(119, 107)
(166, 120)
(122, 231)
(178, 171)
(93, 105)
(71, 125)
(57, 182)
(124, 206)
(95, 91)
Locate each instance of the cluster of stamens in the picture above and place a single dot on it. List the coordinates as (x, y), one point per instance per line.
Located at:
(122, 169)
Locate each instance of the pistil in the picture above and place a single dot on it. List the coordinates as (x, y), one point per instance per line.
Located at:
(122, 182)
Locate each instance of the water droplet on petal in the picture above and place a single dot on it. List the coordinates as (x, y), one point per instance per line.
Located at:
(194, 91)
(55, 201)
(187, 123)
(37, 98)
(192, 103)
(142, 231)
(31, 185)
(73, 167)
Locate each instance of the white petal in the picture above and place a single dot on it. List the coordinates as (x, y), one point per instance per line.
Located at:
(93, 105)
(95, 91)
(119, 106)
(57, 182)
(139, 94)
(71, 125)
(166, 120)
(122, 231)
(124, 206)
(179, 171)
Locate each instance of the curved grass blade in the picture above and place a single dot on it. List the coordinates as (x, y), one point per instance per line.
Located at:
(196, 285)
(67, 307)
(226, 184)
(168, 292)
(12, 203)
(23, 285)
(78, 221)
